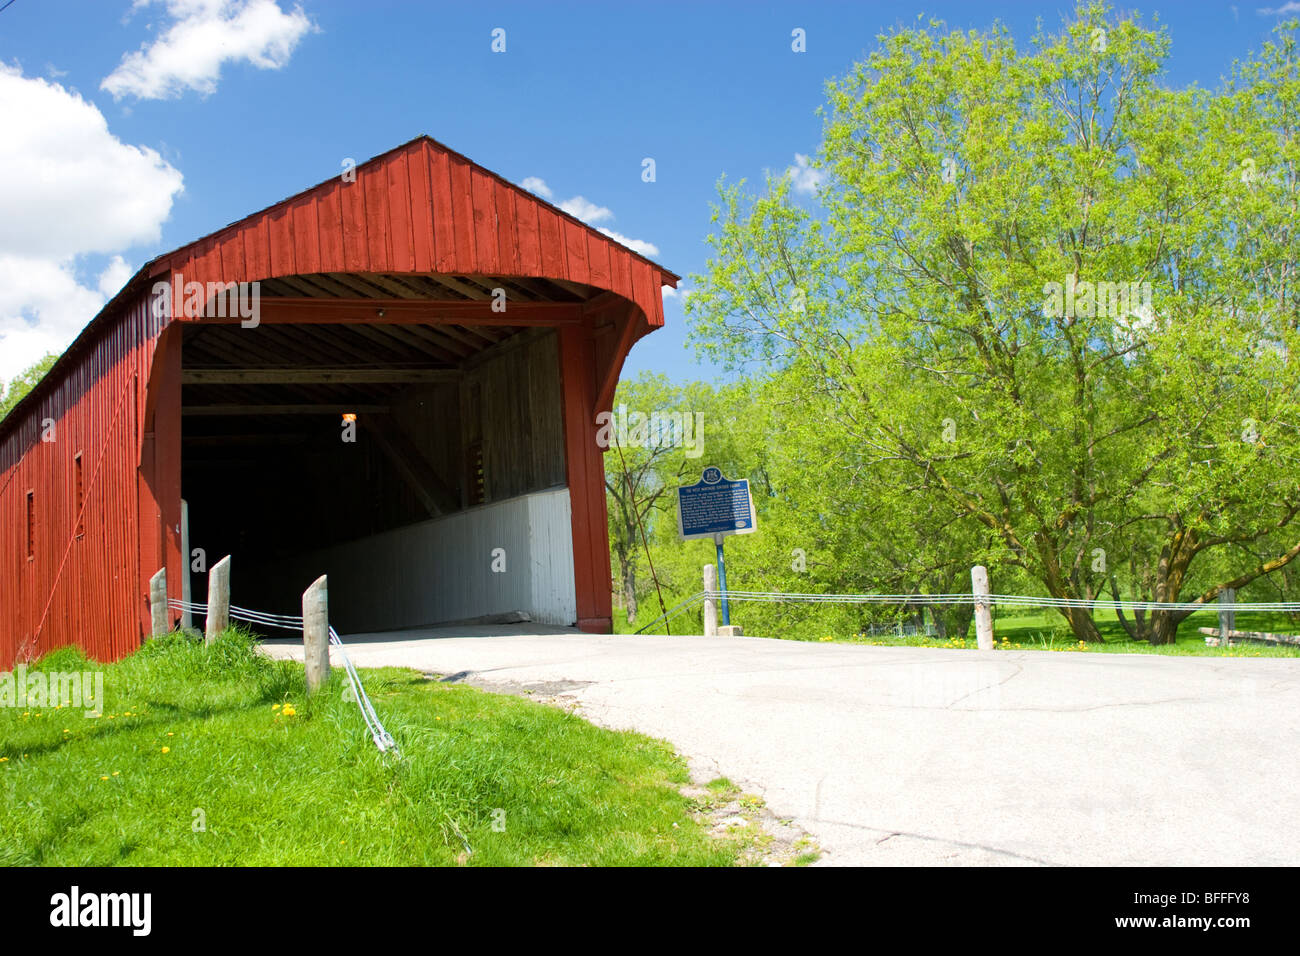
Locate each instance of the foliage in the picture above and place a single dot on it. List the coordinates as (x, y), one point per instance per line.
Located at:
(23, 383)
(1042, 317)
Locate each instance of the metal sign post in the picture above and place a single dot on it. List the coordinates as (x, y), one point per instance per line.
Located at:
(722, 582)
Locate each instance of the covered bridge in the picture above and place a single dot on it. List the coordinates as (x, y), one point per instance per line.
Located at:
(472, 330)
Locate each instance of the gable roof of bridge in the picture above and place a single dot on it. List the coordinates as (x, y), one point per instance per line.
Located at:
(418, 208)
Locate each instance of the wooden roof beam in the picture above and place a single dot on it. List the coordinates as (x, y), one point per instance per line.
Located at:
(280, 311)
(319, 375)
(331, 409)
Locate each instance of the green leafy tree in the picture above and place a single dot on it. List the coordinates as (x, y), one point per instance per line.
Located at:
(1042, 293)
(23, 383)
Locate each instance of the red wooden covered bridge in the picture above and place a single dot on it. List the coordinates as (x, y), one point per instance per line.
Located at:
(472, 330)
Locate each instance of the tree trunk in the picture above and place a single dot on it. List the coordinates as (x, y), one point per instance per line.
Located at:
(1171, 572)
(1081, 623)
(952, 620)
(1164, 627)
(1079, 618)
(629, 590)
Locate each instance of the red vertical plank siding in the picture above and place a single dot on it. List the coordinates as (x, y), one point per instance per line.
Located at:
(280, 234)
(442, 207)
(462, 211)
(485, 222)
(257, 248)
(575, 250)
(205, 268)
(507, 230)
(402, 258)
(374, 185)
(330, 225)
(233, 267)
(76, 589)
(586, 474)
(598, 251)
(421, 214)
(621, 276)
(643, 285)
(352, 199)
(530, 251)
(306, 236)
(551, 231)
(116, 397)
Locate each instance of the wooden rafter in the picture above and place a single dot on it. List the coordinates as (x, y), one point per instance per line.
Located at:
(319, 375)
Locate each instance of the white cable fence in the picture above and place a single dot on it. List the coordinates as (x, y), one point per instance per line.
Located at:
(917, 601)
(290, 622)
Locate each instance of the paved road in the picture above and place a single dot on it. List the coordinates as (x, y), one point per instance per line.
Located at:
(902, 756)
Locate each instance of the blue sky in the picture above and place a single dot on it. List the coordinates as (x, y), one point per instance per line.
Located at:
(245, 102)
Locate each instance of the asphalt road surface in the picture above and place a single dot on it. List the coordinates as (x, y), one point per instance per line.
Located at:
(910, 756)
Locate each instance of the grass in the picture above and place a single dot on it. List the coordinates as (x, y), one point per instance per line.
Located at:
(1046, 630)
(212, 756)
(1017, 629)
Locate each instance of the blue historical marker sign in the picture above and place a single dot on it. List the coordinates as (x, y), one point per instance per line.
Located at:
(714, 506)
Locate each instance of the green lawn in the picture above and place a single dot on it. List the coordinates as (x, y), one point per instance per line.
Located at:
(196, 762)
(1015, 629)
(1046, 630)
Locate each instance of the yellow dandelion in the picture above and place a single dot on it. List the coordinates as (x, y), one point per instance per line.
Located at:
(103, 778)
(4, 759)
(275, 706)
(116, 772)
(167, 750)
(170, 734)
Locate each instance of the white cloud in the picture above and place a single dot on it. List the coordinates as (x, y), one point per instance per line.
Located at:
(70, 188)
(1291, 6)
(69, 185)
(587, 211)
(670, 293)
(205, 35)
(647, 249)
(114, 276)
(48, 291)
(535, 184)
(804, 177)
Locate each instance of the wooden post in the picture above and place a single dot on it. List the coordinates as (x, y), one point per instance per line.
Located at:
(979, 580)
(158, 603)
(710, 604)
(1227, 616)
(316, 633)
(218, 599)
